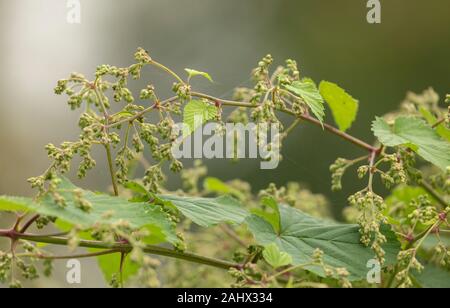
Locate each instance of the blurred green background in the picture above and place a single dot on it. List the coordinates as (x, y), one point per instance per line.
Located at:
(330, 40)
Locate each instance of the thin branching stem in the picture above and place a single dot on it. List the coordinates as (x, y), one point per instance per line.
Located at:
(123, 248)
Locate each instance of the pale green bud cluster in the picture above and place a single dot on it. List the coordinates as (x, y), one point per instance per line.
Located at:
(123, 157)
(142, 56)
(424, 212)
(338, 169)
(288, 74)
(444, 254)
(371, 207)
(407, 261)
(339, 273)
(261, 73)
(44, 221)
(265, 113)
(153, 178)
(148, 93)
(182, 90)
(28, 271)
(81, 202)
(362, 171)
(396, 174)
(5, 266)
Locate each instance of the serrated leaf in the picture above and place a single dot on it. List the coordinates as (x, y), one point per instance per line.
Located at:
(208, 212)
(105, 210)
(273, 215)
(301, 235)
(136, 187)
(215, 185)
(275, 257)
(193, 73)
(442, 130)
(15, 204)
(417, 135)
(140, 193)
(307, 90)
(343, 106)
(196, 113)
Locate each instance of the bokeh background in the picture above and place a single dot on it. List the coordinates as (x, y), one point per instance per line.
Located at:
(330, 40)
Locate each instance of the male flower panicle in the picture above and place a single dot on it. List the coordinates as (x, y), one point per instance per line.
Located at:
(137, 129)
(338, 169)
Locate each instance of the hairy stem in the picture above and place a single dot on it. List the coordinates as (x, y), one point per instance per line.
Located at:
(304, 117)
(373, 156)
(142, 113)
(123, 248)
(341, 134)
(29, 223)
(168, 70)
(438, 123)
(290, 269)
(111, 169)
(78, 256)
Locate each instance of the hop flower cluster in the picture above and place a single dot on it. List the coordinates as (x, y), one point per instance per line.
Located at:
(424, 212)
(396, 173)
(371, 207)
(5, 266)
(339, 273)
(407, 261)
(338, 169)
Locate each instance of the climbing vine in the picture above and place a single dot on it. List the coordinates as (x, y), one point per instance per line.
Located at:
(279, 237)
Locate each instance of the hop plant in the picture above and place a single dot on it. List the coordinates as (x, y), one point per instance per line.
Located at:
(138, 136)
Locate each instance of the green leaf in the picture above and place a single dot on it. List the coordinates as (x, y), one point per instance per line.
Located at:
(343, 106)
(140, 193)
(433, 277)
(208, 212)
(135, 187)
(14, 204)
(105, 210)
(275, 257)
(417, 135)
(301, 234)
(307, 90)
(272, 216)
(442, 130)
(193, 73)
(110, 266)
(197, 113)
(215, 185)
